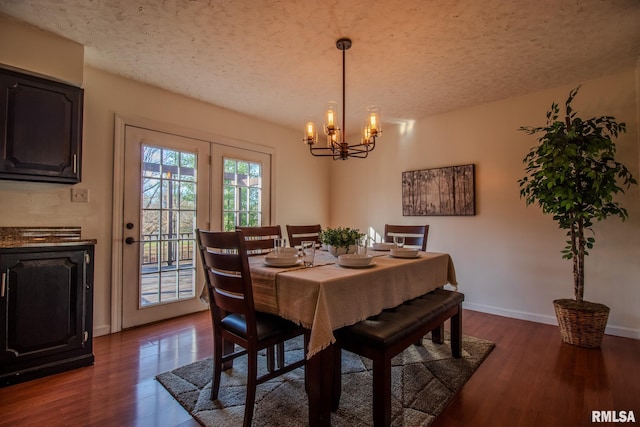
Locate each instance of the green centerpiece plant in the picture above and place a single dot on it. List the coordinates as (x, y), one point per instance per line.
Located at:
(572, 174)
(340, 240)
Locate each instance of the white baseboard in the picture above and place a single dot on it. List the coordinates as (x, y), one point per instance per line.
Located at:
(101, 330)
(618, 331)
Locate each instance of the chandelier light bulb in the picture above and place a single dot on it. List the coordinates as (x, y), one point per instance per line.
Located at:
(331, 119)
(366, 134)
(310, 133)
(374, 120)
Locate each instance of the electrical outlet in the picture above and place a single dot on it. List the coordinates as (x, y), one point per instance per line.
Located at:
(80, 195)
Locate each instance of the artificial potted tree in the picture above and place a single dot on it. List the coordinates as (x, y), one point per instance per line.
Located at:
(572, 174)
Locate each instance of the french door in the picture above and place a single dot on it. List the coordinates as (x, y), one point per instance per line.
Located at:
(166, 197)
(171, 185)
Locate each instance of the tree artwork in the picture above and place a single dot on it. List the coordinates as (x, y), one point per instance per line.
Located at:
(441, 191)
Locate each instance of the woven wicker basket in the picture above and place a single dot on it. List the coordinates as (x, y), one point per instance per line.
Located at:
(581, 323)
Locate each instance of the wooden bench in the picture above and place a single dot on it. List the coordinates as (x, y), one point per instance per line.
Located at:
(387, 334)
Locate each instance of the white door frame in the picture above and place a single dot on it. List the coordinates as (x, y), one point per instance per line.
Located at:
(117, 240)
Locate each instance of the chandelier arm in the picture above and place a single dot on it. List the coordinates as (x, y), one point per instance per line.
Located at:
(359, 154)
(323, 155)
(356, 151)
(340, 154)
(330, 151)
(370, 144)
(343, 150)
(363, 147)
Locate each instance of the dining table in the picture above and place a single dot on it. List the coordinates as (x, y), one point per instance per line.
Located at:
(328, 296)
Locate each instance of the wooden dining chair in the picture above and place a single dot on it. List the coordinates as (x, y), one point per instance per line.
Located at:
(414, 235)
(233, 315)
(298, 233)
(260, 240)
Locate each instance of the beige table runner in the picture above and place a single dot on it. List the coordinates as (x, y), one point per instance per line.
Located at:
(263, 279)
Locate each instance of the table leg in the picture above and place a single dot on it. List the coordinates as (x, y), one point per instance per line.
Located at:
(227, 348)
(337, 378)
(320, 376)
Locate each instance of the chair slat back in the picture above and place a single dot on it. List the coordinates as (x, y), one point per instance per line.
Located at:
(260, 240)
(298, 233)
(224, 259)
(414, 235)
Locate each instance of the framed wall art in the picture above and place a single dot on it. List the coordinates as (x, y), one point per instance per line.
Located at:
(441, 191)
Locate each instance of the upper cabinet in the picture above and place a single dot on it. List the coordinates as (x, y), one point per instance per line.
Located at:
(40, 129)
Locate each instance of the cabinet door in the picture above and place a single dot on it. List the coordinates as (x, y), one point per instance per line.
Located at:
(40, 129)
(42, 305)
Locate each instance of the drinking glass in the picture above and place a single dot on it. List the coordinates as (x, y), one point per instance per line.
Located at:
(399, 241)
(278, 244)
(361, 246)
(308, 252)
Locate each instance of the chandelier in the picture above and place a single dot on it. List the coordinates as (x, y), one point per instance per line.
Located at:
(337, 147)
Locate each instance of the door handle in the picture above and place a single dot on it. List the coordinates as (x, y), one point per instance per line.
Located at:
(4, 285)
(130, 240)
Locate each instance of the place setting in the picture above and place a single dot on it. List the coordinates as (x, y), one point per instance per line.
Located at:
(283, 256)
(356, 261)
(359, 259)
(404, 253)
(383, 246)
(399, 251)
(396, 249)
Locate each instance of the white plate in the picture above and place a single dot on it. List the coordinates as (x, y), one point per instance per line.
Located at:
(383, 246)
(280, 263)
(283, 260)
(286, 251)
(404, 253)
(371, 264)
(355, 260)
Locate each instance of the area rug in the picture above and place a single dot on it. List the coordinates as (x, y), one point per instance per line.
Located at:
(424, 379)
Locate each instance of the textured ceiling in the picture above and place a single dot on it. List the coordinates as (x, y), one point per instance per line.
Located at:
(277, 60)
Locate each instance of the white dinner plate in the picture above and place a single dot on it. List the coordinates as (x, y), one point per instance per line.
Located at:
(371, 264)
(280, 260)
(404, 253)
(271, 263)
(383, 246)
(353, 259)
(286, 251)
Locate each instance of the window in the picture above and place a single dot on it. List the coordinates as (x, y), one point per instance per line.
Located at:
(242, 194)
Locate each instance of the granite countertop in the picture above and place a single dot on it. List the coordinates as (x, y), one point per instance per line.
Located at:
(22, 237)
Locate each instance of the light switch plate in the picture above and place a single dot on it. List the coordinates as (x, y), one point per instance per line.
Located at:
(80, 195)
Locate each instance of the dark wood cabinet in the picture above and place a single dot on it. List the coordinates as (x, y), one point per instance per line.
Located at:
(46, 311)
(40, 129)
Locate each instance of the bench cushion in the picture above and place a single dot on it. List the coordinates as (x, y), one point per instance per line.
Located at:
(394, 324)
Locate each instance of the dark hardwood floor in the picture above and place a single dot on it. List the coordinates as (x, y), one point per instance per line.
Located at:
(530, 379)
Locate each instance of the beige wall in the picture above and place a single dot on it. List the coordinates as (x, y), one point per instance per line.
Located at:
(28, 204)
(507, 256)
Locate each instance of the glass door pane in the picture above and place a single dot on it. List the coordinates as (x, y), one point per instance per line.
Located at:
(242, 200)
(168, 213)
